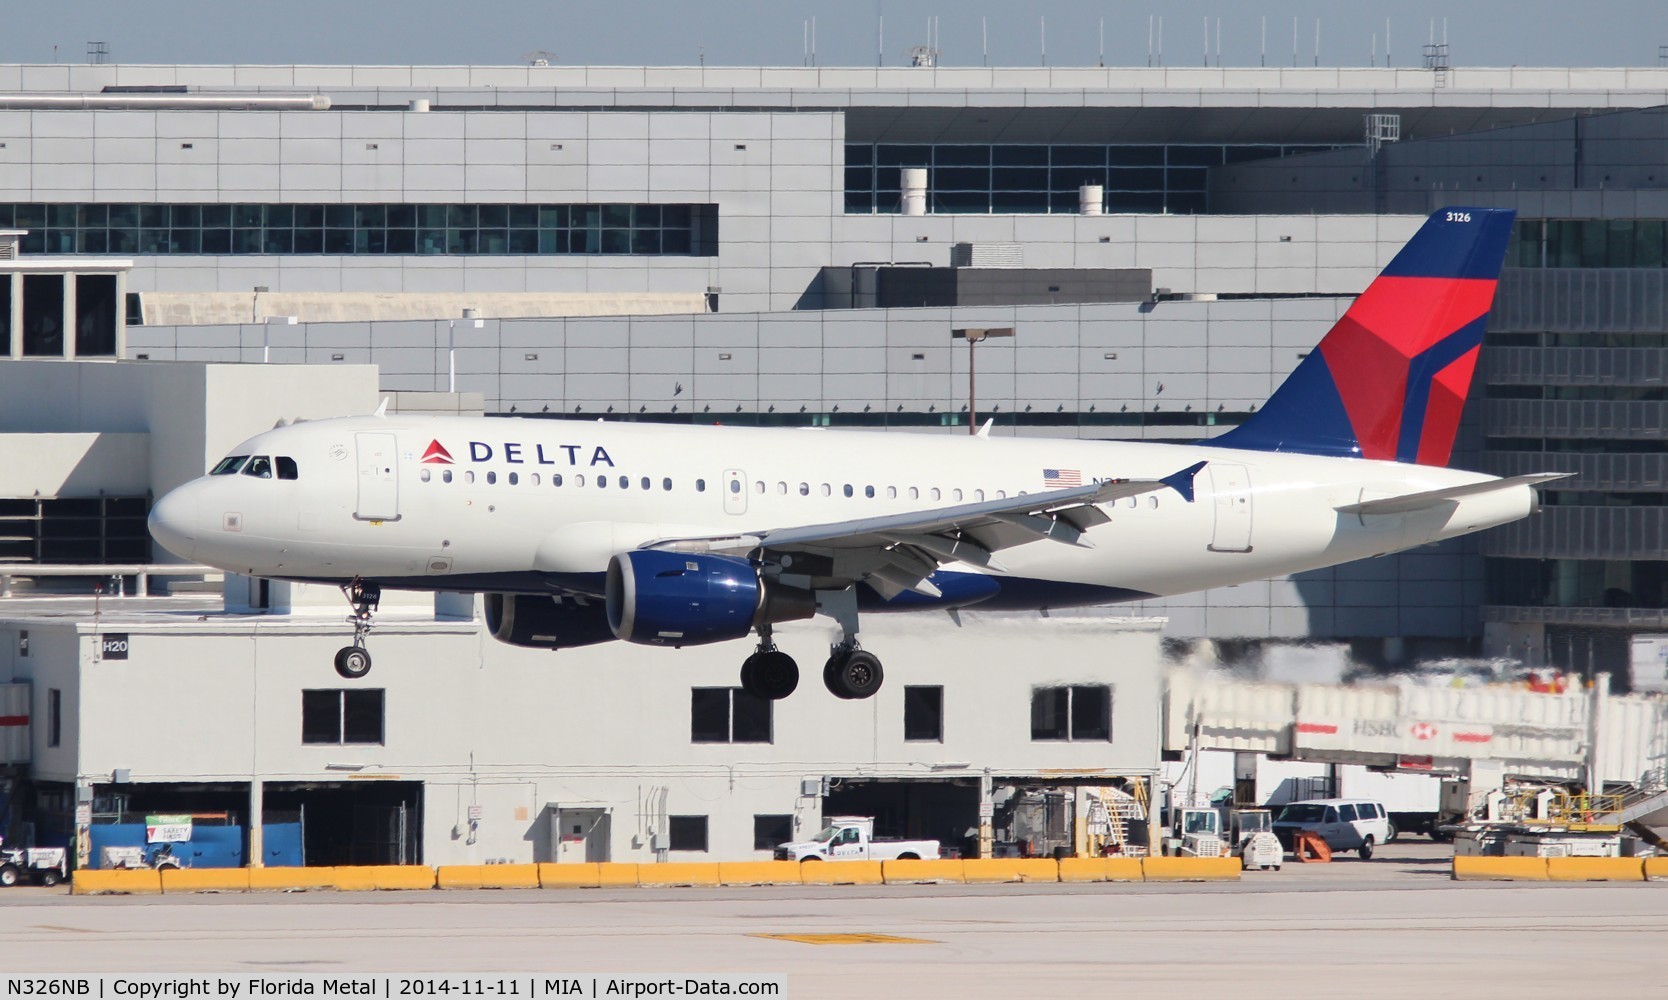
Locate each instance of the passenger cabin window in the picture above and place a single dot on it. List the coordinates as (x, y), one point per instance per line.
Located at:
(423, 475)
(492, 478)
(700, 486)
(556, 479)
(230, 465)
(446, 475)
(1348, 813)
(260, 467)
(665, 484)
(287, 468)
(1331, 815)
(515, 479)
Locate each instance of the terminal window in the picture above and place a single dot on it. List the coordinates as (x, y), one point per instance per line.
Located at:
(687, 833)
(359, 230)
(1042, 178)
(1071, 714)
(342, 717)
(728, 715)
(768, 831)
(924, 714)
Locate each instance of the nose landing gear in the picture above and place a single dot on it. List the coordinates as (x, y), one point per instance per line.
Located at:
(354, 662)
(769, 673)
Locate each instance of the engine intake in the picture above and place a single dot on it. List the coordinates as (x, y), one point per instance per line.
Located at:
(539, 621)
(687, 599)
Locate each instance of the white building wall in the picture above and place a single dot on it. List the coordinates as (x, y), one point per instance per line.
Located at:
(516, 731)
(776, 177)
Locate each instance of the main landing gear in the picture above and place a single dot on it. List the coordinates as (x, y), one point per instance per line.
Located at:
(769, 673)
(354, 662)
(851, 673)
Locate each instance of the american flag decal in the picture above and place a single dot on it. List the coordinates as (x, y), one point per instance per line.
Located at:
(1062, 477)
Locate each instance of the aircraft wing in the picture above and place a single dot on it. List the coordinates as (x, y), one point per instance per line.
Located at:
(897, 552)
(1434, 498)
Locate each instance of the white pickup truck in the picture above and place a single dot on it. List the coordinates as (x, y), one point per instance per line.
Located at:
(851, 838)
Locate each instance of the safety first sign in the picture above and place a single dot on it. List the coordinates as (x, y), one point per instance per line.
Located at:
(1401, 737)
(167, 829)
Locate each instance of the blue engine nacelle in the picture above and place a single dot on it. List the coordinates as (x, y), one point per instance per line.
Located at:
(686, 599)
(544, 622)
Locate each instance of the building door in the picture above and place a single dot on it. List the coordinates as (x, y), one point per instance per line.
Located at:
(1231, 487)
(735, 491)
(379, 484)
(582, 835)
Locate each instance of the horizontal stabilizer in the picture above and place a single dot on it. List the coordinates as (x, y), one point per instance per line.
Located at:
(1182, 482)
(1435, 498)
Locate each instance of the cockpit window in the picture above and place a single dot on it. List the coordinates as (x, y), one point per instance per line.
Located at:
(260, 467)
(229, 465)
(286, 468)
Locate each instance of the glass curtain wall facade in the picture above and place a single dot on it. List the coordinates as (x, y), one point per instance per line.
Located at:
(525, 230)
(1040, 178)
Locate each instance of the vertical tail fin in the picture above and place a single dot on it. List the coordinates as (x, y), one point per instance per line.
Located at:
(1390, 379)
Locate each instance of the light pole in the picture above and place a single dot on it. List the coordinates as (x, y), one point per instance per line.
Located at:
(973, 335)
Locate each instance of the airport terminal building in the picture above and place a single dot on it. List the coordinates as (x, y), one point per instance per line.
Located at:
(796, 247)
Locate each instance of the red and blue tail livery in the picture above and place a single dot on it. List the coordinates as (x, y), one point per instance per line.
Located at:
(1390, 379)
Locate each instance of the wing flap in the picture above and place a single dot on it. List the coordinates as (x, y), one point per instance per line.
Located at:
(1435, 498)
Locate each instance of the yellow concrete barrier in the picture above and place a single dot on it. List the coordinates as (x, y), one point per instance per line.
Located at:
(841, 873)
(487, 876)
(1124, 870)
(1100, 869)
(1012, 870)
(1471, 868)
(359, 878)
(1189, 869)
(576, 876)
(679, 873)
(205, 879)
(613, 874)
(915, 870)
(89, 881)
(291, 878)
(1083, 869)
(1656, 869)
(1596, 869)
(759, 873)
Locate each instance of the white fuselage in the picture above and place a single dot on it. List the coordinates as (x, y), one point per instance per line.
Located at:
(527, 497)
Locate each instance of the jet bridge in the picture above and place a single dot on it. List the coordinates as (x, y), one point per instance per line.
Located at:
(1581, 736)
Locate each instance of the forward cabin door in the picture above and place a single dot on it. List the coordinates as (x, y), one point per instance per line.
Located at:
(1231, 490)
(379, 481)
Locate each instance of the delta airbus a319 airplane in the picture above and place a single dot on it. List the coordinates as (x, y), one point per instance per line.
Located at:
(587, 532)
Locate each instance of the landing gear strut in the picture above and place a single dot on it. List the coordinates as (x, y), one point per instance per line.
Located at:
(354, 662)
(769, 673)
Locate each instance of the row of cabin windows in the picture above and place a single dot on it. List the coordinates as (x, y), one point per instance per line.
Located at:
(258, 466)
(1066, 714)
(759, 486)
(556, 479)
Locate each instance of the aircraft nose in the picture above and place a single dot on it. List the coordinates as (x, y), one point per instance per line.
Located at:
(174, 522)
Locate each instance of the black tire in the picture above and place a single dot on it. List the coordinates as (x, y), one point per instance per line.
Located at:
(911, 856)
(771, 675)
(1391, 832)
(858, 675)
(1367, 849)
(809, 857)
(9, 876)
(50, 877)
(353, 662)
(830, 673)
(1440, 835)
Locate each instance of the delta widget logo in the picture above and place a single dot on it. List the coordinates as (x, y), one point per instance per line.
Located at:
(437, 455)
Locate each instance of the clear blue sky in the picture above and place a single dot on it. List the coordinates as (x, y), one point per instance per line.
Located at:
(771, 32)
